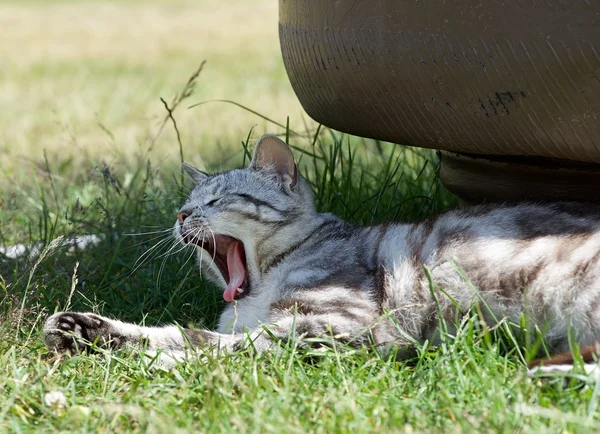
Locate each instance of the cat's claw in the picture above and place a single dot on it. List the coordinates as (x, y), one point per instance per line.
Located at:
(75, 332)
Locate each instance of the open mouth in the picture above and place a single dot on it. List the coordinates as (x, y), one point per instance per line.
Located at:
(230, 257)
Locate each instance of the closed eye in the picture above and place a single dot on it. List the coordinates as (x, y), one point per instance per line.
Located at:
(212, 202)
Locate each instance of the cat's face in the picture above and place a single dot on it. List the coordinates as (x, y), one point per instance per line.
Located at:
(231, 215)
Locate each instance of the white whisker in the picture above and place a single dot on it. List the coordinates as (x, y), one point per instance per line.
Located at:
(149, 240)
(148, 253)
(162, 231)
(172, 251)
(212, 234)
(144, 257)
(188, 259)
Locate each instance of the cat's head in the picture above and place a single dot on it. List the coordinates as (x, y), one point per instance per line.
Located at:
(243, 218)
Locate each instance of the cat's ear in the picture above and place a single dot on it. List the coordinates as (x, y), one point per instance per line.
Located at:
(197, 175)
(272, 154)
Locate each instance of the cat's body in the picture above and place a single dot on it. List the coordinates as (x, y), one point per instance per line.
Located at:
(293, 270)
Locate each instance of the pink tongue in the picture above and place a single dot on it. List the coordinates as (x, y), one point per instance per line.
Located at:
(237, 272)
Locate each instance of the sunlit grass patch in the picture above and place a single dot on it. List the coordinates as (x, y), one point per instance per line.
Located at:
(73, 70)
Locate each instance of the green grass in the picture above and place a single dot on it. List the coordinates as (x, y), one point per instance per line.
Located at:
(474, 382)
(78, 156)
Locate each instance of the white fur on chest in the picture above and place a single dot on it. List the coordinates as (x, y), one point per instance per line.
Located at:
(248, 313)
(254, 310)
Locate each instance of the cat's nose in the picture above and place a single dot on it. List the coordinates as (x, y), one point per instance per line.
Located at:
(182, 216)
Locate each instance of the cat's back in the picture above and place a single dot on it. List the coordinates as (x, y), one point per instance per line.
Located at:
(512, 247)
(525, 220)
(506, 231)
(500, 238)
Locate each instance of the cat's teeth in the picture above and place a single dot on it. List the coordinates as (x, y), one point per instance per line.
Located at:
(240, 290)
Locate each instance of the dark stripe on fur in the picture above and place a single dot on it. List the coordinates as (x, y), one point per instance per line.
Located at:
(379, 291)
(276, 260)
(197, 338)
(259, 202)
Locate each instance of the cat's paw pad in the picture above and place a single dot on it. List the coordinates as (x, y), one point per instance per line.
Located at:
(75, 332)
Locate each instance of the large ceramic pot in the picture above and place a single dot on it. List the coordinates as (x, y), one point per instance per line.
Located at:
(508, 90)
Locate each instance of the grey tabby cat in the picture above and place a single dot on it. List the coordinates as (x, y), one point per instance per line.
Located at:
(287, 269)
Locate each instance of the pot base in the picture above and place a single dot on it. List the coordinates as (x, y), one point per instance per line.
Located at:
(478, 178)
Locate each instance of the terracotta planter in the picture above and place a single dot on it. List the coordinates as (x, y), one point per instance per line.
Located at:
(517, 80)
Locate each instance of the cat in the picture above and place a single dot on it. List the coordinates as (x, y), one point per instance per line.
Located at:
(288, 271)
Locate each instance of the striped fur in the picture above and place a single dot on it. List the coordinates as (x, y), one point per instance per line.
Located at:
(320, 277)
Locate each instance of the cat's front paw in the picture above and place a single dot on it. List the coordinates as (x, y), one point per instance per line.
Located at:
(76, 332)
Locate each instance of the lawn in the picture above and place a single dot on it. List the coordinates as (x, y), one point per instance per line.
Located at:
(86, 148)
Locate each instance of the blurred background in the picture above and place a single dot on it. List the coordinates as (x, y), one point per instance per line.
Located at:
(82, 79)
